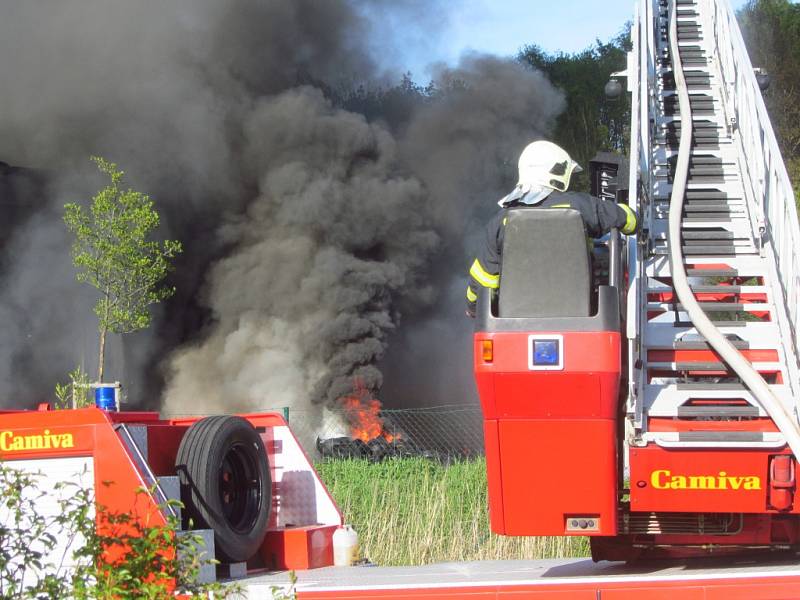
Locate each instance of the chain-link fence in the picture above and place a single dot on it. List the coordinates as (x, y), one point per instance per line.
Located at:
(442, 433)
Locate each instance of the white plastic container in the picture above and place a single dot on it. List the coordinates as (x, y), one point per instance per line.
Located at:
(345, 546)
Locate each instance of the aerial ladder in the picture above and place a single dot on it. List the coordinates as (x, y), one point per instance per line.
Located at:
(665, 400)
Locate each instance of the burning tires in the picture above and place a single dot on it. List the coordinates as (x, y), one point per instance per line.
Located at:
(226, 484)
(375, 450)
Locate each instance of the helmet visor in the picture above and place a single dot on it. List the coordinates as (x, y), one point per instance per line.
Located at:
(561, 172)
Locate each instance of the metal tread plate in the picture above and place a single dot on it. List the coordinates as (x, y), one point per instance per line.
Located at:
(757, 335)
(676, 400)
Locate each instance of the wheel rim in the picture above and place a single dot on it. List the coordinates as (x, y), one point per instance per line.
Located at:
(239, 488)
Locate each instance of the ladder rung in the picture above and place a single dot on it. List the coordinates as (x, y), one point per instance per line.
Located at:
(716, 243)
(718, 411)
(707, 218)
(712, 250)
(705, 195)
(709, 289)
(689, 366)
(721, 436)
(715, 247)
(705, 171)
(702, 345)
(711, 205)
(716, 207)
(680, 323)
(699, 365)
(710, 306)
(702, 124)
(697, 387)
(722, 289)
(699, 234)
(712, 273)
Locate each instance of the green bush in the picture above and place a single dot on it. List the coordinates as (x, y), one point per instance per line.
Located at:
(149, 560)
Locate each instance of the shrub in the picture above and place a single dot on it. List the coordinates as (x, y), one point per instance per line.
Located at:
(75, 554)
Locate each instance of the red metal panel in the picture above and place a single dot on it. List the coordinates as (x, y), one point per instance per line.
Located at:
(119, 487)
(162, 447)
(672, 424)
(546, 594)
(83, 432)
(669, 588)
(20, 438)
(453, 593)
(698, 480)
(555, 430)
(491, 443)
(754, 590)
(509, 389)
(653, 593)
(552, 469)
(745, 297)
(133, 416)
(307, 547)
(555, 395)
(759, 355)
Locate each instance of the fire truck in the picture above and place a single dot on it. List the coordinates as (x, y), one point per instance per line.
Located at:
(657, 406)
(641, 393)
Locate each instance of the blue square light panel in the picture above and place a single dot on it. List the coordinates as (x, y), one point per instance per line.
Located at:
(546, 352)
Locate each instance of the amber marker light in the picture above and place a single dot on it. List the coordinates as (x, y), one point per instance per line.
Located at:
(487, 348)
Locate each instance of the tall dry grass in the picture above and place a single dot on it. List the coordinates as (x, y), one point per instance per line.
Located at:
(415, 511)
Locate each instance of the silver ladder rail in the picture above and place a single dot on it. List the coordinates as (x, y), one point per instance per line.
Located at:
(699, 188)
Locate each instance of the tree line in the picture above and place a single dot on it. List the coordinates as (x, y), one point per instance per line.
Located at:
(771, 31)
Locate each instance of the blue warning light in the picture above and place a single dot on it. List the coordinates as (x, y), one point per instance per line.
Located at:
(545, 352)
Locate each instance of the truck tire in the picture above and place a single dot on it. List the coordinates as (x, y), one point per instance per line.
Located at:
(226, 484)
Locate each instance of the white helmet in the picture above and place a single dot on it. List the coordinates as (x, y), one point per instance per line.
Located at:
(543, 167)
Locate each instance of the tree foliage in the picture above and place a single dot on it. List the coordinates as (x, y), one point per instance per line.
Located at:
(590, 123)
(113, 251)
(771, 30)
(392, 105)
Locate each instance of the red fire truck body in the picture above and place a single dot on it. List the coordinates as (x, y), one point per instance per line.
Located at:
(530, 416)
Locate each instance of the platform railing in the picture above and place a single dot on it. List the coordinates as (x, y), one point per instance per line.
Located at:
(766, 181)
(641, 82)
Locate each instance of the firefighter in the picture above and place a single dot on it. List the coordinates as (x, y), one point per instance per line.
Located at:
(545, 170)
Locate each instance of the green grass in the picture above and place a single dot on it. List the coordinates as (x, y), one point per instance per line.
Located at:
(416, 511)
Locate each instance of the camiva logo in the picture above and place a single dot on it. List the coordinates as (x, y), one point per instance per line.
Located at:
(665, 480)
(9, 442)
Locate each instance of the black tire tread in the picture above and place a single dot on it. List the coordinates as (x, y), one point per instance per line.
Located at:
(194, 452)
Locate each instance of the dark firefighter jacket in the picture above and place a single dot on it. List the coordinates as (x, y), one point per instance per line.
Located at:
(599, 217)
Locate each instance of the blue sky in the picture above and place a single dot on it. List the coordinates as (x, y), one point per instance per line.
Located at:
(504, 26)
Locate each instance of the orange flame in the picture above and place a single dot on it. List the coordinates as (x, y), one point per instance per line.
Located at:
(363, 414)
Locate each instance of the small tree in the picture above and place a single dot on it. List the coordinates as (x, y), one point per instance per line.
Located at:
(114, 253)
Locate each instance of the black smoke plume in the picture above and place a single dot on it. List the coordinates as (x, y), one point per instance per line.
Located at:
(314, 237)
